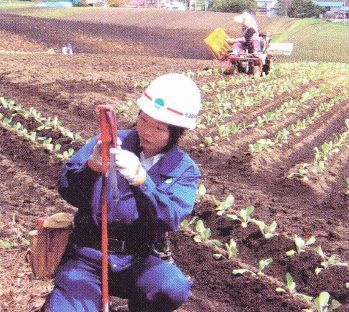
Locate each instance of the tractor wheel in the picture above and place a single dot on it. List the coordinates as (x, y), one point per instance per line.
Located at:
(230, 70)
(256, 71)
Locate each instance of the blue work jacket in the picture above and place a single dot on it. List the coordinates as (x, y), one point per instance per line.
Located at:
(137, 213)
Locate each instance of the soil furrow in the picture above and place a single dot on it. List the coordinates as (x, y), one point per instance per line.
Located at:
(300, 149)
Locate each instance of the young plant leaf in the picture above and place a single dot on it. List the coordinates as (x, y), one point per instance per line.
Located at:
(290, 253)
(217, 256)
(291, 285)
(242, 271)
(321, 302)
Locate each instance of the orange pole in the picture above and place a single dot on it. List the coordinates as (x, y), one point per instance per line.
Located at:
(109, 139)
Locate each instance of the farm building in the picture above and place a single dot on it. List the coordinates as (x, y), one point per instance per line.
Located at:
(335, 8)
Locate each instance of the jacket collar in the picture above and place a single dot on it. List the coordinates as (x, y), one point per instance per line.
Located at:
(167, 166)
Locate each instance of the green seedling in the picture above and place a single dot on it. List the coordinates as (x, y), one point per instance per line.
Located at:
(56, 123)
(291, 285)
(306, 297)
(263, 264)
(186, 223)
(47, 144)
(218, 256)
(7, 121)
(242, 271)
(244, 216)
(260, 145)
(78, 137)
(142, 84)
(32, 136)
(66, 154)
(215, 202)
(218, 243)
(201, 193)
(7, 245)
(224, 206)
(322, 303)
(327, 261)
(231, 248)
(301, 244)
(208, 140)
(203, 232)
(35, 114)
(267, 231)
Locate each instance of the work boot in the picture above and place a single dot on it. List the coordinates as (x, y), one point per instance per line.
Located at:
(123, 308)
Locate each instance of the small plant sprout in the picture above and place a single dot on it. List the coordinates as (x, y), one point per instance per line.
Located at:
(231, 248)
(242, 271)
(301, 244)
(215, 202)
(306, 297)
(203, 232)
(263, 264)
(322, 303)
(201, 192)
(186, 223)
(218, 256)
(327, 261)
(291, 285)
(224, 206)
(244, 216)
(66, 154)
(267, 231)
(218, 243)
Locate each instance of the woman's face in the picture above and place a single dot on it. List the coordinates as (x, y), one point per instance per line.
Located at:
(153, 134)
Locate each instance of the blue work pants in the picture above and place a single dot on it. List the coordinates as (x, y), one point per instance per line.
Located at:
(149, 283)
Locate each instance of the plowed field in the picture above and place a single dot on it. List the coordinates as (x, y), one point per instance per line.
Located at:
(278, 143)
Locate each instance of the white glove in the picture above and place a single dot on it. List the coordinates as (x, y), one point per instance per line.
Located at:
(95, 160)
(129, 166)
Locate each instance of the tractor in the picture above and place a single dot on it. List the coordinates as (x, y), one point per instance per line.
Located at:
(255, 63)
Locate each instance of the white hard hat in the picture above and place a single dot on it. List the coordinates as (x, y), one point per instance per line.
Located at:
(173, 99)
(246, 19)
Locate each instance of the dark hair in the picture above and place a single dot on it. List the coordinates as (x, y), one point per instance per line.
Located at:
(175, 134)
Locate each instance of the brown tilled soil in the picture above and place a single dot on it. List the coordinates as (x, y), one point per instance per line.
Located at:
(112, 56)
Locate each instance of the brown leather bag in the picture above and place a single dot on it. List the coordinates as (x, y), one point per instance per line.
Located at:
(48, 243)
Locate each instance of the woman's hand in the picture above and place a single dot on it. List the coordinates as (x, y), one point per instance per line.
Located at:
(95, 160)
(129, 166)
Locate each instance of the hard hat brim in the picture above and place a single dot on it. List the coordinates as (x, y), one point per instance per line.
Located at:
(150, 109)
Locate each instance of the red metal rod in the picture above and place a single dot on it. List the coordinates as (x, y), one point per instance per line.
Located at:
(109, 139)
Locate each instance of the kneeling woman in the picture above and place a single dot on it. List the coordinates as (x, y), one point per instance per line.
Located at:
(157, 184)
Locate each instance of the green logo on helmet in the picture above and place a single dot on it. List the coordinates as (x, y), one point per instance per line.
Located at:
(159, 103)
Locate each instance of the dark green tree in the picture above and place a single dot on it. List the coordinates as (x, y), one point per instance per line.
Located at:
(236, 6)
(304, 8)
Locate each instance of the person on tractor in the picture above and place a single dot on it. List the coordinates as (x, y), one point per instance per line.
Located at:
(249, 41)
(157, 184)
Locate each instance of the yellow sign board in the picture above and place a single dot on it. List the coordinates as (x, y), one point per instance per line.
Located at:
(217, 42)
